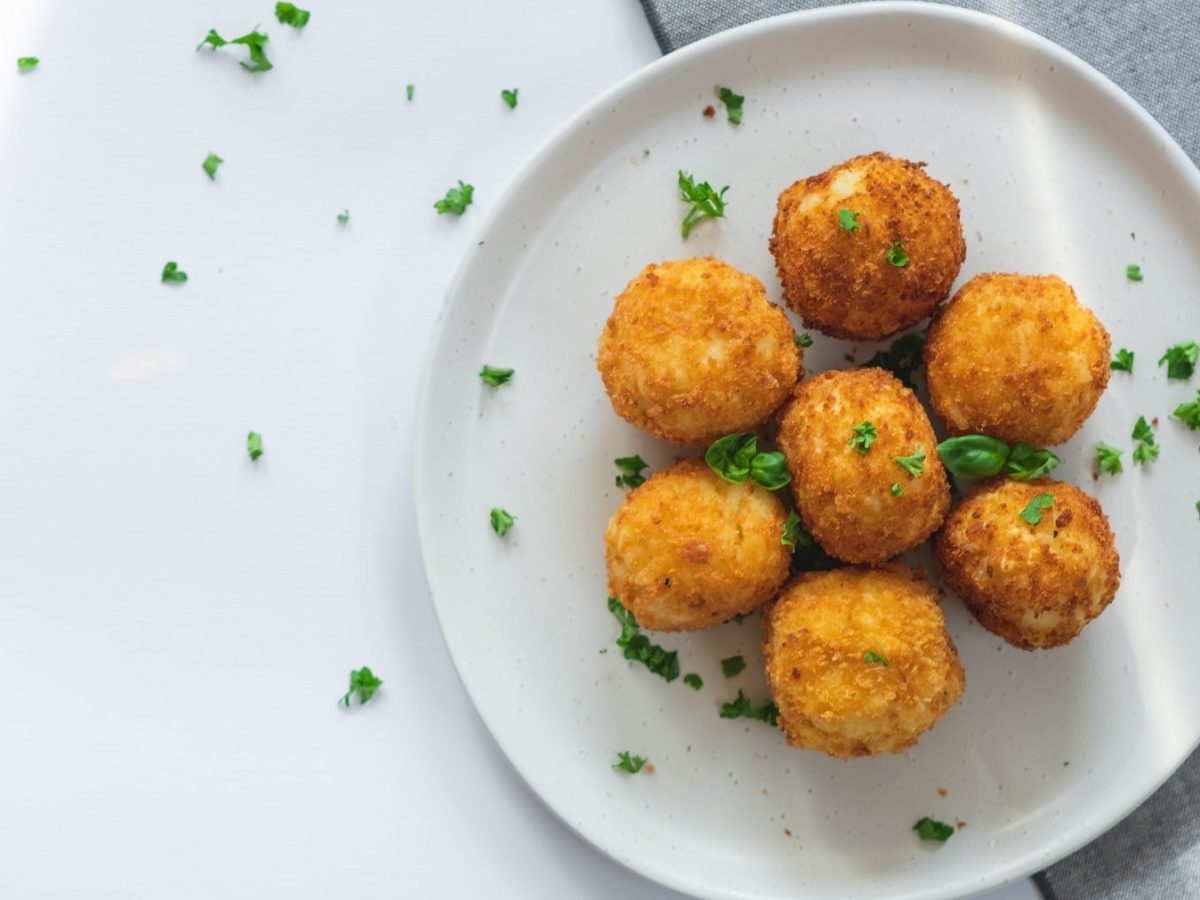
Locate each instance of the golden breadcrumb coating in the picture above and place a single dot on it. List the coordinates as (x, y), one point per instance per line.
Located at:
(1034, 585)
(823, 640)
(1017, 357)
(688, 549)
(840, 281)
(845, 497)
(694, 351)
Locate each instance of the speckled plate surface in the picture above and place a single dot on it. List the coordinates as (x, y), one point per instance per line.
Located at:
(1055, 168)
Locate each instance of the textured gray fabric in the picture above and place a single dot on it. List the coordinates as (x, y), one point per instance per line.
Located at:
(1152, 50)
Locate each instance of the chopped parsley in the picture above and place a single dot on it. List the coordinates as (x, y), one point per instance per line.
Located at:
(896, 489)
(457, 199)
(631, 471)
(255, 42)
(1198, 507)
(1133, 272)
(502, 520)
(735, 458)
(639, 648)
(804, 340)
(694, 681)
(848, 219)
(210, 165)
(630, 764)
(254, 445)
(495, 376)
(364, 683)
(706, 203)
(343, 217)
(409, 90)
(291, 14)
(742, 708)
(928, 829)
(27, 63)
(903, 358)
(1108, 460)
(733, 104)
(873, 658)
(733, 665)
(172, 274)
(1181, 360)
(1032, 513)
(794, 533)
(897, 255)
(1026, 462)
(1189, 413)
(510, 97)
(862, 436)
(1123, 361)
(914, 465)
(1146, 450)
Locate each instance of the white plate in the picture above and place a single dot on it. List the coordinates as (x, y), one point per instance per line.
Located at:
(1054, 167)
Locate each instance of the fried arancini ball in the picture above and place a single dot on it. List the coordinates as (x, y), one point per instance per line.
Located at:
(693, 351)
(859, 660)
(862, 507)
(845, 272)
(1034, 585)
(688, 549)
(1016, 357)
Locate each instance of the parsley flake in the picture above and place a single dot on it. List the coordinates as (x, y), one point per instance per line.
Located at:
(735, 458)
(1142, 431)
(630, 764)
(848, 219)
(896, 489)
(291, 14)
(1133, 272)
(742, 708)
(1032, 513)
(210, 165)
(631, 471)
(255, 42)
(495, 376)
(364, 683)
(27, 63)
(1181, 360)
(928, 829)
(1198, 507)
(1108, 460)
(914, 465)
(706, 203)
(502, 520)
(457, 200)
(794, 533)
(510, 97)
(1146, 450)
(903, 358)
(694, 681)
(873, 658)
(733, 665)
(409, 90)
(803, 340)
(1123, 361)
(639, 648)
(897, 255)
(254, 445)
(733, 104)
(1189, 413)
(172, 274)
(343, 217)
(862, 437)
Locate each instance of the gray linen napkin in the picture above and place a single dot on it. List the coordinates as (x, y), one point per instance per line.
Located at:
(1151, 48)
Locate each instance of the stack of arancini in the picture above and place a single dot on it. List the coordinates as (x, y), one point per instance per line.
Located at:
(858, 658)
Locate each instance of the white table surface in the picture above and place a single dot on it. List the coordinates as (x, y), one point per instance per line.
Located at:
(176, 622)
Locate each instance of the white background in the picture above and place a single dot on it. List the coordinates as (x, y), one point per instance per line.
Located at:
(176, 622)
